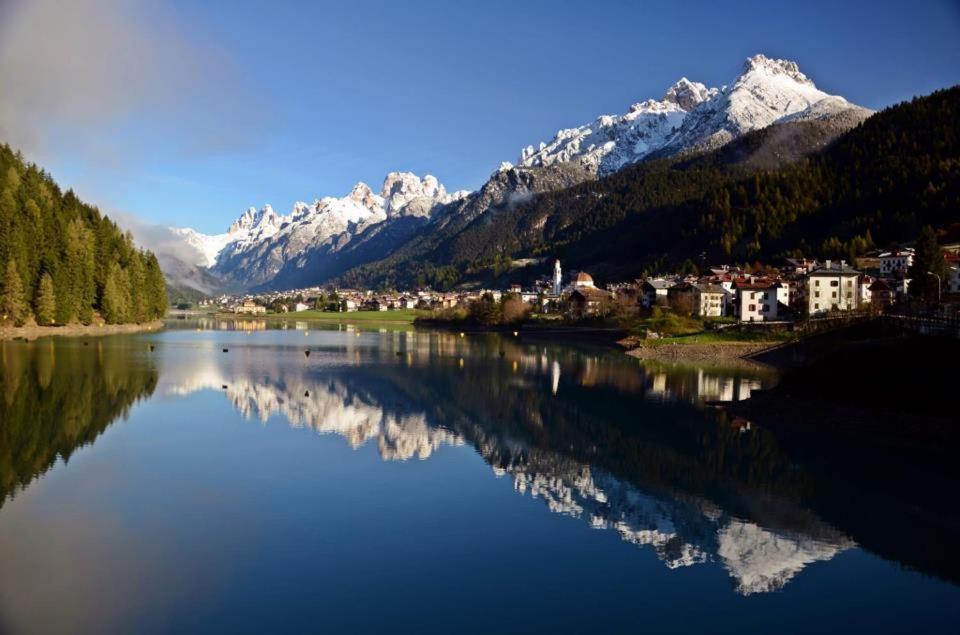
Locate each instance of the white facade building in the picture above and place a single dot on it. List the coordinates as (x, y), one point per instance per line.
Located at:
(896, 261)
(833, 288)
(761, 301)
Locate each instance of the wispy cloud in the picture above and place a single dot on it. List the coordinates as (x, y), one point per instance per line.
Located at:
(99, 77)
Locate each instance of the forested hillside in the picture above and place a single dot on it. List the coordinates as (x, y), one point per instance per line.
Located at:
(61, 260)
(878, 183)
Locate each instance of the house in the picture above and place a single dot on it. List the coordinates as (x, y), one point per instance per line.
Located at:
(588, 301)
(348, 305)
(375, 304)
(654, 292)
(249, 307)
(408, 302)
(709, 300)
(833, 287)
(300, 306)
(681, 297)
(583, 281)
(761, 300)
(896, 261)
(800, 266)
(882, 295)
(951, 284)
(866, 296)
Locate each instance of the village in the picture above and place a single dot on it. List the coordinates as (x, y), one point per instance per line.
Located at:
(798, 289)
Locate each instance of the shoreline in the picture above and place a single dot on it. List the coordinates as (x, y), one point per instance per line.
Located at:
(707, 352)
(31, 333)
(331, 318)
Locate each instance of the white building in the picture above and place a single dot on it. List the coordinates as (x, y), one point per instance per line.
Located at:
(557, 278)
(833, 288)
(300, 306)
(896, 261)
(655, 292)
(709, 300)
(761, 301)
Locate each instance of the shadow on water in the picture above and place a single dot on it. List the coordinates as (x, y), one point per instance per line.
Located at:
(57, 397)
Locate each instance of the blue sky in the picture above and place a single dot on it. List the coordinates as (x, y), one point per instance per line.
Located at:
(187, 112)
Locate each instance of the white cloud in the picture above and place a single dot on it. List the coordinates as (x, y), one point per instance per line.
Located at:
(97, 78)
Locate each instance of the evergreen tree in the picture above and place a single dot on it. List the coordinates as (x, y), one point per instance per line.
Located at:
(44, 232)
(114, 305)
(928, 264)
(46, 302)
(12, 304)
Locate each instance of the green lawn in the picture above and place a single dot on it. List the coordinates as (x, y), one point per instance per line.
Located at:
(721, 337)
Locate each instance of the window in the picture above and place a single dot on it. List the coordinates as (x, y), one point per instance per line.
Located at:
(766, 308)
(816, 283)
(834, 283)
(834, 294)
(816, 294)
(816, 306)
(753, 308)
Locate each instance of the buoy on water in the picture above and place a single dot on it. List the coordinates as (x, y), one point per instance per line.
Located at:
(226, 350)
(307, 353)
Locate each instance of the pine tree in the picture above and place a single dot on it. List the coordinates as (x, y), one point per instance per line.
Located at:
(928, 264)
(12, 305)
(115, 303)
(46, 302)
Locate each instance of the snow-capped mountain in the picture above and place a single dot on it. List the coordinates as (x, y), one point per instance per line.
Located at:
(691, 116)
(324, 239)
(260, 242)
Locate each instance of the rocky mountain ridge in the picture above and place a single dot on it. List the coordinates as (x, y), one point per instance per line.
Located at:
(323, 240)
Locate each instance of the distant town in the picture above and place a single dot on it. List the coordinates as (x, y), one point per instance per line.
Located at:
(797, 289)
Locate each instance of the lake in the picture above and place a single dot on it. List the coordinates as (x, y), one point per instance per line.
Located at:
(418, 481)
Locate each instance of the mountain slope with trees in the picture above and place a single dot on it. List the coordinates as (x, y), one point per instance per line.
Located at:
(789, 189)
(62, 262)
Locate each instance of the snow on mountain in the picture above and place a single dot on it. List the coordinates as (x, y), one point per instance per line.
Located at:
(688, 117)
(612, 141)
(768, 91)
(691, 116)
(403, 193)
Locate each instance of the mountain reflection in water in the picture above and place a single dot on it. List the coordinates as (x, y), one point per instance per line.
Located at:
(595, 435)
(412, 404)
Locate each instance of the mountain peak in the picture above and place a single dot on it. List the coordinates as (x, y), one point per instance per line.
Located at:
(254, 218)
(362, 194)
(400, 188)
(788, 68)
(687, 94)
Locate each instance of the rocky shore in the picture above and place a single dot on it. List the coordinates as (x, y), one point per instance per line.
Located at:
(75, 330)
(711, 352)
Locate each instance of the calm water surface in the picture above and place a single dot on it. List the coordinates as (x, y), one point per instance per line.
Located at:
(408, 481)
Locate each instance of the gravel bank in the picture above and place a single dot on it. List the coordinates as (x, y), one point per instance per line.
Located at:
(75, 330)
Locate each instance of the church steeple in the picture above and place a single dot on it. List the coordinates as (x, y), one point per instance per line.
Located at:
(557, 277)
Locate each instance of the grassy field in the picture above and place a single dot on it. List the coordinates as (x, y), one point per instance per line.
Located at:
(405, 316)
(730, 336)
